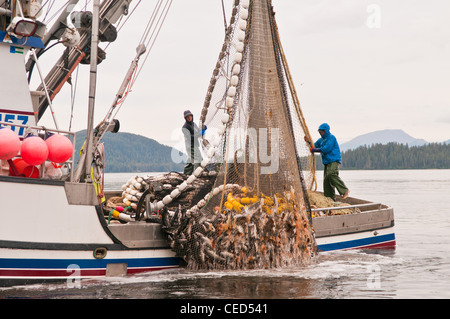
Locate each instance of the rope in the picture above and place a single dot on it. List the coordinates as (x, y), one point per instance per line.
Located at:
(297, 106)
(225, 173)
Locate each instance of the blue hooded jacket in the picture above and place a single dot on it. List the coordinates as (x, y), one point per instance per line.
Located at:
(329, 147)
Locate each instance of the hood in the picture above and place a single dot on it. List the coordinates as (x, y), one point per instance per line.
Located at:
(187, 113)
(326, 128)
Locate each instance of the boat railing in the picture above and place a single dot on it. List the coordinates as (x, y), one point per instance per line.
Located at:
(72, 137)
(353, 207)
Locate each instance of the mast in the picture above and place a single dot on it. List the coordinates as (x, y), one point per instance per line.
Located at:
(92, 90)
(103, 16)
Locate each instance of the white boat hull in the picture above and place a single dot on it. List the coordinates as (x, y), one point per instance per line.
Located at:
(50, 234)
(380, 238)
(41, 264)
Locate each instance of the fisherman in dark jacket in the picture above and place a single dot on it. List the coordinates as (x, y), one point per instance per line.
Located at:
(191, 135)
(328, 147)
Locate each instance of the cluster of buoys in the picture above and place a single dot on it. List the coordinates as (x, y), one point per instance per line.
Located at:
(132, 190)
(118, 213)
(237, 203)
(33, 151)
(217, 190)
(238, 198)
(239, 46)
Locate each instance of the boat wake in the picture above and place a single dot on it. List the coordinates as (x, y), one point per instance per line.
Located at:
(327, 269)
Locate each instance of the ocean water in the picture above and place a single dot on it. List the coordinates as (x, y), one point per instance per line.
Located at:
(419, 267)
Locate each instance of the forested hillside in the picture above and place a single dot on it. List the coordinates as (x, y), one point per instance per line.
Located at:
(397, 156)
(126, 152)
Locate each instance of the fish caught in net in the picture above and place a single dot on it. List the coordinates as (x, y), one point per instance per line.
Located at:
(256, 233)
(251, 209)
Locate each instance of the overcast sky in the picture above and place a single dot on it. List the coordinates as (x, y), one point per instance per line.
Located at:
(358, 65)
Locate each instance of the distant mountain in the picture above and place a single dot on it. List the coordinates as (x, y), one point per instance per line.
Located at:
(447, 142)
(382, 137)
(127, 152)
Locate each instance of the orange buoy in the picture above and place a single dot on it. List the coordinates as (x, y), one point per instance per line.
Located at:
(34, 150)
(24, 169)
(9, 144)
(60, 148)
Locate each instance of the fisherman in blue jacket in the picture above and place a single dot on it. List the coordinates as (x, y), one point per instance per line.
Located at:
(328, 147)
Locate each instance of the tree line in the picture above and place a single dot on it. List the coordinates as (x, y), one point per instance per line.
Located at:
(396, 156)
(127, 152)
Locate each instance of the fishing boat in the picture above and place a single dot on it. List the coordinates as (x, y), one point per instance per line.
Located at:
(55, 223)
(56, 228)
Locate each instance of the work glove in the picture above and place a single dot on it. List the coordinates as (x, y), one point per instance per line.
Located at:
(204, 129)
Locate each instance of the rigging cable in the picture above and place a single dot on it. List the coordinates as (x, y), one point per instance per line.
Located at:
(148, 42)
(50, 6)
(73, 95)
(56, 13)
(123, 24)
(141, 42)
(153, 38)
(224, 17)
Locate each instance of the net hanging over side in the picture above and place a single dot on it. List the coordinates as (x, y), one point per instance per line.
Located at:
(255, 211)
(264, 165)
(253, 84)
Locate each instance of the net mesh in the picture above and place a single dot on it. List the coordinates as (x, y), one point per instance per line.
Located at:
(264, 165)
(264, 109)
(255, 213)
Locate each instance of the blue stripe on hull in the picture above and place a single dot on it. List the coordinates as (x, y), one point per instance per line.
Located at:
(357, 243)
(86, 264)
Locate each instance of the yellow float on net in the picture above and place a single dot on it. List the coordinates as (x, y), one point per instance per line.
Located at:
(237, 206)
(233, 203)
(228, 205)
(249, 200)
(237, 203)
(268, 201)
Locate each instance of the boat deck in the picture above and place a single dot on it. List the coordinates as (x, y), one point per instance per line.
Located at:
(367, 216)
(370, 226)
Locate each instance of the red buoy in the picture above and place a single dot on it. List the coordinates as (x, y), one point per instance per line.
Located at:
(60, 148)
(34, 150)
(24, 169)
(9, 144)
